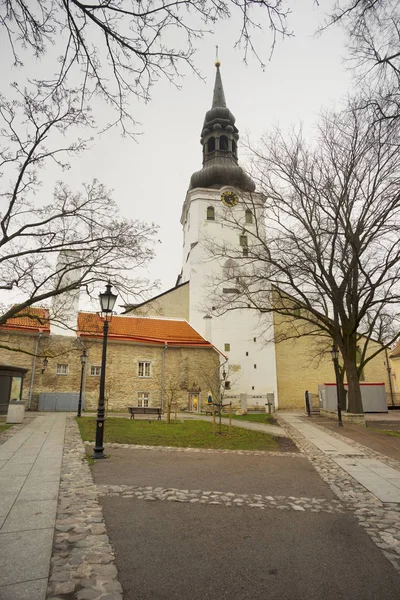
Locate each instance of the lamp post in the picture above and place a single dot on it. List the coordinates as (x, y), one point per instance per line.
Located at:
(335, 358)
(84, 358)
(107, 301)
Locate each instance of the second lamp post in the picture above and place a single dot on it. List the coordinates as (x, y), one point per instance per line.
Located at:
(107, 302)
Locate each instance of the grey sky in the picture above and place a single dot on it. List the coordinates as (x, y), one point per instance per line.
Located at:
(150, 177)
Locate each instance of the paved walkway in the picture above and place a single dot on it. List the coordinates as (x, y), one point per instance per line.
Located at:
(30, 468)
(376, 476)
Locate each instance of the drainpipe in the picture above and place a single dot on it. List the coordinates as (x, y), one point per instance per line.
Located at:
(33, 370)
(163, 374)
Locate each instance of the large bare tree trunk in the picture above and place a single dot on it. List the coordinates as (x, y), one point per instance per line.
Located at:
(354, 391)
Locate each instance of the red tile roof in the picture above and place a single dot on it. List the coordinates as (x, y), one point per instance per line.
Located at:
(30, 319)
(172, 331)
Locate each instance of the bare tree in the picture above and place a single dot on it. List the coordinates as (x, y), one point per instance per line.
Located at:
(172, 392)
(324, 245)
(119, 48)
(373, 33)
(83, 226)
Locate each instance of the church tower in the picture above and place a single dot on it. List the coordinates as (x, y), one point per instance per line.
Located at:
(222, 184)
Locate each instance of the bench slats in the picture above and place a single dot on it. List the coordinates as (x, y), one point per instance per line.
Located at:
(144, 410)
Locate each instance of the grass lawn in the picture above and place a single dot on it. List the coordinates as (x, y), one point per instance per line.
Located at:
(388, 432)
(254, 418)
(189, 434)
(3, 427)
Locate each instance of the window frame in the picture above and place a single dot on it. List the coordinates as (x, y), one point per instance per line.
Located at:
(59, 372)
(248, 215)
(144, 363)
(211, 210)
(145, 397)
(95, 367)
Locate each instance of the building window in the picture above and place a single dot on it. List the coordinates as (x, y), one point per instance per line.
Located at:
(143, 399)
(210, 213)
(211, 145)
(245, 251)
(247, 353)
(234, 148)
(144, 369)
(243, 241)
(223, 143)
(254, 339)
(62, 369)
(230, 291)
(249, 216)
(255, 366)
(227, 385)
(252, 387)
(95, 370)
(227, 347)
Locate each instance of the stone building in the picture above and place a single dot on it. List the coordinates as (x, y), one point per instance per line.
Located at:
(149, 360)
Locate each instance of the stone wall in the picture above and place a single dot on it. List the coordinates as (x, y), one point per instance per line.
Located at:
(301, 367)
(174, 304)
(183, 368)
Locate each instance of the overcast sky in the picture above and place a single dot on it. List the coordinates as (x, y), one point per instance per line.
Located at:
(150, 178)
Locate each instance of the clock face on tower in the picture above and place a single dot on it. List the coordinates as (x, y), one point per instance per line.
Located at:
(229, 198)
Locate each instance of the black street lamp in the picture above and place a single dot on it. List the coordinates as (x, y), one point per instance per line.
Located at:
(107, 301)
(335, 358)
(84, 358)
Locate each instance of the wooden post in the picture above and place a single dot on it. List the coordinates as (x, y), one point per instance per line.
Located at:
(230, 416)
(213, 413)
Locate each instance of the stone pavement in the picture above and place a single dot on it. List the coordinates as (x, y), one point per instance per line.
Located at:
(30, 465)
(380, 519)
(375, 475)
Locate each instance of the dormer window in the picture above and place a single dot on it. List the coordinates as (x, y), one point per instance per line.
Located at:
(249, 216)
(223, 143)
(211, 145)
(210, 213)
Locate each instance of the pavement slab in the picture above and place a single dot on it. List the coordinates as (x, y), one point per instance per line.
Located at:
(28, 501)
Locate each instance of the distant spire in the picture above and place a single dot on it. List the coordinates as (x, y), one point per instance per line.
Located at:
(219, 96)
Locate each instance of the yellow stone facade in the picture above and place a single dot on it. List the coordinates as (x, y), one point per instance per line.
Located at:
(183, 368)
(173, 303)
(301, 367)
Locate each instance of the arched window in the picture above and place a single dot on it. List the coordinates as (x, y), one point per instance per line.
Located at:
(234, 148)
(211, 145)
(210, 213)
(223, 143)
(249, 216)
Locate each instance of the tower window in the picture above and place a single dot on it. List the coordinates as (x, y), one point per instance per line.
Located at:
(255, 366)
(210, 213)
(249, 216)
(243, 241)
(223, 143)
(245, 251)
(227, 347)
(254, 339)
(247, 353)
(234, 148)
(211, 145)
(227, 385)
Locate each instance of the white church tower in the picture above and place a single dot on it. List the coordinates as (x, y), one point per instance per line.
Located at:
(220, 185)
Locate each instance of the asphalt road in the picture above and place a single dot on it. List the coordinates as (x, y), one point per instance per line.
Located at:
(180, 551)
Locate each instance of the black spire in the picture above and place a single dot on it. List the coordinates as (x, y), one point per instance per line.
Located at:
(219, 139)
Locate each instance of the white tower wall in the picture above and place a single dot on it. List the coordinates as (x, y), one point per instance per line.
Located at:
(64, 312)
(239, 328)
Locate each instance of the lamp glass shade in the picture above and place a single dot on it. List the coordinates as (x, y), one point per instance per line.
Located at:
(107, 299)
(45, 362)
(84, 358)
(334, 352)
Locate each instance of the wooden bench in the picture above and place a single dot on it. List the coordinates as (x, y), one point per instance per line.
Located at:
(144, 410)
